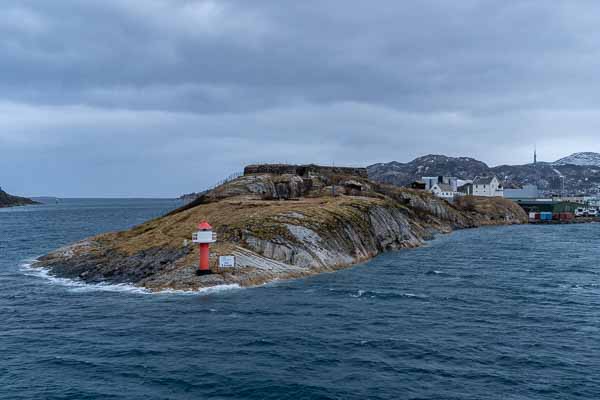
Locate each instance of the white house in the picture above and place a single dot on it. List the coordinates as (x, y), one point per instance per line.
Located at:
(487, 186)
(444, 191)
(430, 181)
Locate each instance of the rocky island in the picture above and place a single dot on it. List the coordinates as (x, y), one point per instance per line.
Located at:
(7, 200)
(280, 222)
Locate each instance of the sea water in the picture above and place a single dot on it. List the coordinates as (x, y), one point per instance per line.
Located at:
(493, 313)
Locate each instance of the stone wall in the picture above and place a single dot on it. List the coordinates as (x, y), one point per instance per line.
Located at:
(304, 170)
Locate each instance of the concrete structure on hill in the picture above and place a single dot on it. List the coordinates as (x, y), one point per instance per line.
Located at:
(487, 186)
(304, 170)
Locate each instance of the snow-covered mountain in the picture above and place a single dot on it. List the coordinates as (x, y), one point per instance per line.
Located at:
(588, 159)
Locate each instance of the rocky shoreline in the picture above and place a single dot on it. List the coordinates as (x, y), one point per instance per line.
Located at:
(279, 226)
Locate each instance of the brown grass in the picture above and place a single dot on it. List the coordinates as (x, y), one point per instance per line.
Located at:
(230, 217)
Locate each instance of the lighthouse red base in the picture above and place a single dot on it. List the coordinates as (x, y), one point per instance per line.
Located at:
(204, 237)
(204, 265)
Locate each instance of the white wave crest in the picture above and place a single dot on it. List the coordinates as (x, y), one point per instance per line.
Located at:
(75, 285)
(206, 290)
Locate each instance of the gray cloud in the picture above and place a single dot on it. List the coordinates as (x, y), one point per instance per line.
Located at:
(158, 97)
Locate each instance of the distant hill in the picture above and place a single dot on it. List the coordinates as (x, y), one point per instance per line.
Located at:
(6, 200)
(582, 159)
(579, 172)
(400, 174)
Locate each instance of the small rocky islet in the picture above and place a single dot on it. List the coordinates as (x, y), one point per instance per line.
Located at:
(7, 200)
(280, 222)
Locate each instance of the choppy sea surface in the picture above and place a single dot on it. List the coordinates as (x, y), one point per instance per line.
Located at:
(493, 313)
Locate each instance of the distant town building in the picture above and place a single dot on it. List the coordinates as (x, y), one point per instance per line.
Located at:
(594, 202)
(451, 181)
(418, 185)
(526, 192)
(430, 181)
(444, 191)
(577, 199)
(547, 205)
(488, 186)
(466, 189)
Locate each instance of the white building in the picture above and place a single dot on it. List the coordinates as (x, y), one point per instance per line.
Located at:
(487, 187)
(444, 191)
(430, 181)
(466, 189)
(463, 182)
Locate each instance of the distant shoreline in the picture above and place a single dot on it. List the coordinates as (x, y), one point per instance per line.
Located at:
(579, 220)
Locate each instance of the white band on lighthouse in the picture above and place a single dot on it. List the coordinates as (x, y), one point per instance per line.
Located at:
(204, 237)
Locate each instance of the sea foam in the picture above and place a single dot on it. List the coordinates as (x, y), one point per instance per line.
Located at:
(75, 285)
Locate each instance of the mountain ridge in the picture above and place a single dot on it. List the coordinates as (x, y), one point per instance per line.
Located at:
(582, 159)
(569, 172)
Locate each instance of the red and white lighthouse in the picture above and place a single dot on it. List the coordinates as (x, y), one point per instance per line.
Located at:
(204, 237)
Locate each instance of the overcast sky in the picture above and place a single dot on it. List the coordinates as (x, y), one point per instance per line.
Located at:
(162, 97)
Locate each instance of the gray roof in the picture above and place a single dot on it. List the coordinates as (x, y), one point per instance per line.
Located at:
(483, 180)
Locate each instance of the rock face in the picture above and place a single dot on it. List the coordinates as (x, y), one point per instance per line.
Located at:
(278, 226)
(6, 200)
(579, 172)
(284, 181)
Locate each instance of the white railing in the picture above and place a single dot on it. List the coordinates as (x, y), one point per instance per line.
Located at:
(229, 178)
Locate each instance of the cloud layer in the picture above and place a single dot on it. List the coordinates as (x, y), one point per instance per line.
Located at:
(160, 97)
